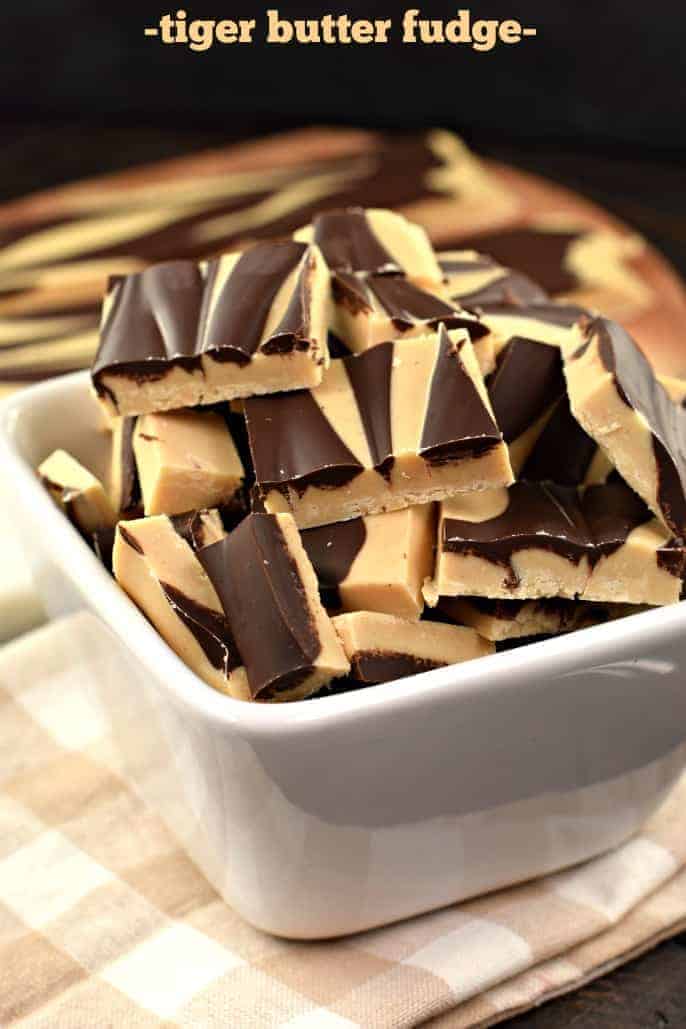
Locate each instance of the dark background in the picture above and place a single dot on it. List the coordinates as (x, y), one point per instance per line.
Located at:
(602, 72)
(597, 101)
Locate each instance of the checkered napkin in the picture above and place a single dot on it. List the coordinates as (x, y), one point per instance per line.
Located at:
(105, 922)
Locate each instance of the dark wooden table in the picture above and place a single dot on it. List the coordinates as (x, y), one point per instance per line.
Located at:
(645, 190)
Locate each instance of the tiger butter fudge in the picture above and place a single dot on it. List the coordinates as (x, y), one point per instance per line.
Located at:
(471, 279)
(77, 492)
(374, 241)
(617, 399)
(403, 423)
(541, 540)
(155, 563)
(268, 590)
(382, 647)
(500, 620)
(377, 563)
(182, 334)
(368, 309)
(186, 460)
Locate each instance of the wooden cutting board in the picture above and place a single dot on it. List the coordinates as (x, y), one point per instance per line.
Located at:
(58, 247)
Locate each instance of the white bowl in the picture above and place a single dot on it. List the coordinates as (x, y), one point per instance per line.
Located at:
(334, 815)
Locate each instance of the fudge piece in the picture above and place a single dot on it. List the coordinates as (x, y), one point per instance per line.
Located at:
(78, 492)
(499, 620)
(124, 484)
(527, 383)
(382, 647)
(199, 528)
(377, 563)
(563, 453)
(158, 568)
(268, 590)
(471, 279)
(675, 387)
(182, 334)
(544, 322)
(542, 540)
(373, 240)
(403, 423)
(186, 460)
(616, 398)
(368, 309)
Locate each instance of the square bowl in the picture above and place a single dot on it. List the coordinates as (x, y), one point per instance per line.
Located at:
(333, 815)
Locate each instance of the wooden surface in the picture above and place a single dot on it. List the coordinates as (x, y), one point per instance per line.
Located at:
(643, 191)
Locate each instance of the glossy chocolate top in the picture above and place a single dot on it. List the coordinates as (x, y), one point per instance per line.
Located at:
(405, 304)
(294, 446)
(332, 549)
(457, 423)
(527, 381)
(232, 325)
(265, 602)
(563, 452)
(211, 629)
(538, 254)
(172, 314)
(638, 387)
(348, 243)
(370, 379)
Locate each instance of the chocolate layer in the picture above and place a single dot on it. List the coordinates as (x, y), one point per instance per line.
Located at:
(151, 324)
(457, 423)
(332, 550)
(564, 315)
(540, 255)
(638, 387)
(527, 381)
(348, 242)
(293, 445)
(405, 304)
(374, 666)
(211, 629)
(511, 289)
(258, 584)
(130, 496)
(545, 516)
(232, 324)
(563, 452)
(370, 378)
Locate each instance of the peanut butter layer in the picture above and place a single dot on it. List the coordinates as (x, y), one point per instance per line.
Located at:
(541, 540)
(368, 309)
(183, 334)
(158, 568)
(382, 647)
(377, 563)
(373, 240)
(77, 492)
(404, 423)
(524, 389)
(269, 592)
(186, 460)
(500, 620)
(616, 398)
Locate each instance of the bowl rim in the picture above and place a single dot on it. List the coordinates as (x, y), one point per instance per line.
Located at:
(555, 658)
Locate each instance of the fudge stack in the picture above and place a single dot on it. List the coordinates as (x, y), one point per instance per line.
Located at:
(340, 459)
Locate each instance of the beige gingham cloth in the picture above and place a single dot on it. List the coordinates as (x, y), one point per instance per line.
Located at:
(105, 922)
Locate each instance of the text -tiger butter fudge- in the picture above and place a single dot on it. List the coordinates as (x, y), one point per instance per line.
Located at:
(404, 423)
(181, 334)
